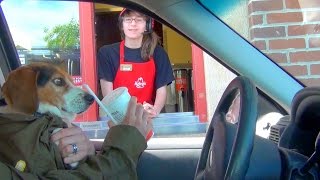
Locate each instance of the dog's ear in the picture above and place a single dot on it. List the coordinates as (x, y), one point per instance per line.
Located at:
(20, 90)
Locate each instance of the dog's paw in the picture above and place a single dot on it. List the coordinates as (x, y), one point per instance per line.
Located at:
(55, 131)
(72, 165)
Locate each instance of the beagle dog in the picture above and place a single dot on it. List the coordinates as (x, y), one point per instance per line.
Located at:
(44, 88)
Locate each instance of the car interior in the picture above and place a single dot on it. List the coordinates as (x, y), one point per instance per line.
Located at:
(227, 151)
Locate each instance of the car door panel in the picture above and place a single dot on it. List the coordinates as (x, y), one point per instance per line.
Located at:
(159, 164)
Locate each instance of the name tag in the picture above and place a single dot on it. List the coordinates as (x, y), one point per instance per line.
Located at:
(125, 67)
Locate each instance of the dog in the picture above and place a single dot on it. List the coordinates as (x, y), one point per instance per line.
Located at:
(42, 88)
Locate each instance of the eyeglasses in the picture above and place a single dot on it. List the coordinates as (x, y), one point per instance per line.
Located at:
(129, 20)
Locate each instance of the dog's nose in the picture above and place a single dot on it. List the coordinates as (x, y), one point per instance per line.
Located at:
(89, 98)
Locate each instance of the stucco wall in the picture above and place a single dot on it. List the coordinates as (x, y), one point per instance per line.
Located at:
(217, 76)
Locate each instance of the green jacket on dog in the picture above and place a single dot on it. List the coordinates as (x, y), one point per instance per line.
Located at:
(26, 138)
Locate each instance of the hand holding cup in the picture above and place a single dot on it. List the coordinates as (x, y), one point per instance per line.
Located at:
(136, 116)
(124, 109)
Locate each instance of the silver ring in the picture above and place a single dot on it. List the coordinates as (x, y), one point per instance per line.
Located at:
(74, 148)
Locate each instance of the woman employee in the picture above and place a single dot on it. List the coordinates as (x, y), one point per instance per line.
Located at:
(137, 62)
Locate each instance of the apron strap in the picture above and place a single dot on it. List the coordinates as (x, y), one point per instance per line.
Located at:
(122, 52)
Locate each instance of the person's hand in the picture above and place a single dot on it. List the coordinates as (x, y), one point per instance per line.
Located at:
(150, 109)
(73, 135)
(136, 116)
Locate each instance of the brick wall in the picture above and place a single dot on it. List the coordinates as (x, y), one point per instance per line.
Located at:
(288, 31)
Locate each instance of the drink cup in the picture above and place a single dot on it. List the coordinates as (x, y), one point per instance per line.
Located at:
(116, 104)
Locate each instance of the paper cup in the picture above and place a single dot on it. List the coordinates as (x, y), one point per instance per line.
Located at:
(116, 103)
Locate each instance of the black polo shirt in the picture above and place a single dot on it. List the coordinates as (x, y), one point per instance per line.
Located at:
(109, 61)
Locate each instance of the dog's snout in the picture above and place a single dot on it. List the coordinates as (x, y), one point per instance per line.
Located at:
(89, 98)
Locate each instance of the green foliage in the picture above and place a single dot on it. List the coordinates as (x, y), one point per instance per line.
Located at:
(63, 37)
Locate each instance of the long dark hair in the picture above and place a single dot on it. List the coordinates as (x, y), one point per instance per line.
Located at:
(149, 40)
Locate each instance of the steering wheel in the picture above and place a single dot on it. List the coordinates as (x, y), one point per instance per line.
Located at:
(227, 149)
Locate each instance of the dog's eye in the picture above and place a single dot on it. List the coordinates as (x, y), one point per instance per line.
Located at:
(59, 82)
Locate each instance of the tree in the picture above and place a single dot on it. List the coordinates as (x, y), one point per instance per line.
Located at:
(63, 37)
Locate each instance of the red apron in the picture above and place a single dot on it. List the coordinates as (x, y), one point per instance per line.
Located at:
(139, 78)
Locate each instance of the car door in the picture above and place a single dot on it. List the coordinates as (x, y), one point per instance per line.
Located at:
(8, 56)
(174, 151)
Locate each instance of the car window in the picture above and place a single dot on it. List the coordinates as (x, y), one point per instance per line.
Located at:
(286, 31)
(39, 31)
